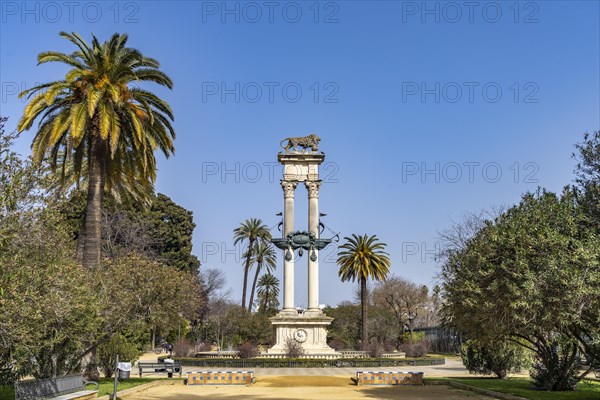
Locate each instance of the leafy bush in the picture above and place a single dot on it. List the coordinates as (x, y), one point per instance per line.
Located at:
(247, 350)
(293, 349)
(183, 348)
(495, 358)
(414, 337)
(116, 345)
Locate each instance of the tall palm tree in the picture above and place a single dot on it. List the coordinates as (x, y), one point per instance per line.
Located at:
(251, 230)
(99, 123)
(264, 256)
(268, 287)
(362, 258)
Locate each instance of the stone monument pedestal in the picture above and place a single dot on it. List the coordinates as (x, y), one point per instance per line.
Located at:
(308, 329)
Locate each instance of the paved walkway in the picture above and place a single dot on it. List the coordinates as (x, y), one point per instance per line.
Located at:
(302, 388)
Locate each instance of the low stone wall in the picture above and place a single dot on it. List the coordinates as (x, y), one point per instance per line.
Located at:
(219, 378)
(389, 378)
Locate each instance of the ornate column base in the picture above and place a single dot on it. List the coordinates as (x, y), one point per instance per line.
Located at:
(309, 329)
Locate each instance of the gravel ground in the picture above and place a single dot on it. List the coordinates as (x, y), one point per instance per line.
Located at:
(302, 388)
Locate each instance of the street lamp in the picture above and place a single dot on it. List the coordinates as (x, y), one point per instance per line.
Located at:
(411, 318)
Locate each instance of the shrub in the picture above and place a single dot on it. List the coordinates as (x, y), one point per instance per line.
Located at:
(375, 349)
(293, 349)
(498, 357)
(116, 345)
(388, 346)
(415, 349)
(183, 348)
(337, 344)
(204, 346)
(247, 350)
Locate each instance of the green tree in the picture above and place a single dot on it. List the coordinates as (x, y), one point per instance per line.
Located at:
(588, 175)
(250, 230)
(264, 256)
(116, 345)
(46, 307)
(363, 258)
(171, 228)
(97, 114)
(345, 329)
(163, 231)
(268, 293)
(533, 275)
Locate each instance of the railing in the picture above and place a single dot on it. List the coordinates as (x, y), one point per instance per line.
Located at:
(217, 354)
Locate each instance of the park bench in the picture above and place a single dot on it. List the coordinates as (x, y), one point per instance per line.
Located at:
(389, 378)
(219, 378)
(62, 388)
(160, 368)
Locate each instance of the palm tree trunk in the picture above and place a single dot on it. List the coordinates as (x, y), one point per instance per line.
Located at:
(246, 269)
(258, 267)
(93, 213)
(265, 300)
(363, 309)
(92, 235)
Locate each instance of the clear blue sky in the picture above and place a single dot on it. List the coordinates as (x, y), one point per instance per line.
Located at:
(394, 89)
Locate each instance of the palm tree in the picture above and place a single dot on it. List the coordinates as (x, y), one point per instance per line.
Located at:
(363, 257)
(98, 123)
(268, 287)
(264, 256)
(251, 230)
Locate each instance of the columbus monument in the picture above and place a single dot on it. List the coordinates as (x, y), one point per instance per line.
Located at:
(301, 159)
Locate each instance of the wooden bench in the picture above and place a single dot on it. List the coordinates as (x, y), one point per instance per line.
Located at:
(62, 388)
(160, 368)
(219, 378)
(389, 378)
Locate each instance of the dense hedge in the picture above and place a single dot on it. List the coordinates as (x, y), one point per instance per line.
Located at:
(309, 362)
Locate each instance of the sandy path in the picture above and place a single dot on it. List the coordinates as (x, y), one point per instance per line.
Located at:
(302, 388)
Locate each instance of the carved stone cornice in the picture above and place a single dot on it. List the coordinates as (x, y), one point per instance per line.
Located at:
(313, 188)
(288, 188)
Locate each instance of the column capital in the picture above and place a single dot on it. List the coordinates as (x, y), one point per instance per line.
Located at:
(313, 188)
(288, 188)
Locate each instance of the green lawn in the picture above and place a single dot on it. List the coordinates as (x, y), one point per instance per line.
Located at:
(7, 393)
(106, 385)
(586, 390)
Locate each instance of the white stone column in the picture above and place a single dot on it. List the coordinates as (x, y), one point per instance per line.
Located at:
(312, 187)
(288, 226)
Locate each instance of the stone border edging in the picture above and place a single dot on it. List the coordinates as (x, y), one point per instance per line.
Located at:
(487, 392)
(139, 388)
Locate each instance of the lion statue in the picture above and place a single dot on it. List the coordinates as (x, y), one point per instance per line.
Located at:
(311, 141)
